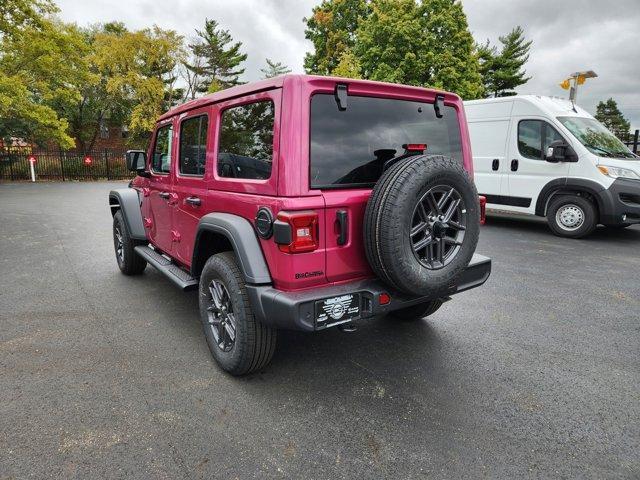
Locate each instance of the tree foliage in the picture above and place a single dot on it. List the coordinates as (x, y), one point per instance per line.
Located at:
(332, 30)
(41, 66)
(17, 15)
(502, 71)
(274, 69)
(215, 61)
(424, 43)
(608, 113)
(139, 69)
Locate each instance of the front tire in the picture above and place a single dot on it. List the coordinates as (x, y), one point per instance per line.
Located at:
(571, 216)
(238, 342)
(417, 312)
(129, 262)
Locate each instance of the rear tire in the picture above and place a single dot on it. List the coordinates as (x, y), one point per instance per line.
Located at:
(238, 342)
(572, 216)
(417, 312)
(421, 225)
(129, 262)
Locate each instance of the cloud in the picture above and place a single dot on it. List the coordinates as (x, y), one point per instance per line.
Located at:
(567, 36)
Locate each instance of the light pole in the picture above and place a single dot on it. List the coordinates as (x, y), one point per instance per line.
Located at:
(575, 79)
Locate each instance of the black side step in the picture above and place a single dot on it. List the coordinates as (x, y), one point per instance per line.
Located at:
(176, 274)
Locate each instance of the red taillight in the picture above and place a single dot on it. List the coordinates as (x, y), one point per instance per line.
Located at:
(415, 147)
(303, 228)
(384, 299)
(88, 160)
(483, 209)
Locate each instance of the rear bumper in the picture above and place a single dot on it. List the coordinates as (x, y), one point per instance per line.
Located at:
(620, 203)
(296, 310)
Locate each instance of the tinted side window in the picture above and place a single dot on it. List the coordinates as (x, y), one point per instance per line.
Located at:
(193, 145)
(534, 137)
(245, 148)
(530, 139)
(161, 161)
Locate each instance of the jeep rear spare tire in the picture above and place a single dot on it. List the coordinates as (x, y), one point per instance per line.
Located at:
(421, 225)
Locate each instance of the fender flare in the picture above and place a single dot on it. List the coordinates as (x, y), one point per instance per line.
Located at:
(127, 200)
(242, 237)
(568, 185)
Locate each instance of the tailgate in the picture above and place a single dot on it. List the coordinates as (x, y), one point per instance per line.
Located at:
(344, 215)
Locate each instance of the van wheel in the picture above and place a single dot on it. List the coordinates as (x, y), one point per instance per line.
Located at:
(239, 343)
(129, 262)
(572, 216)
(417, 312)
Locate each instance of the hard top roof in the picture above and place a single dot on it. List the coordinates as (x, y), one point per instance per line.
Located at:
(271, 83)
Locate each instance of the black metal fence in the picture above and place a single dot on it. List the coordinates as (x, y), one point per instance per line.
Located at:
(633, 142)
(105, 164)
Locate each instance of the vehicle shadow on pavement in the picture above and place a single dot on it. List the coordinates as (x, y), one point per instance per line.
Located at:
(377, 343)
(538, 225)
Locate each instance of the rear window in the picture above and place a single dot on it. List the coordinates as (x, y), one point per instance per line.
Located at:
(349, 148)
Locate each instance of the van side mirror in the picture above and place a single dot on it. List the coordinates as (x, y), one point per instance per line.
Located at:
(560, 151)
(136, 161)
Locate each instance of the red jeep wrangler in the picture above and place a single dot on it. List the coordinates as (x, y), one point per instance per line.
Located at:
(304, 202)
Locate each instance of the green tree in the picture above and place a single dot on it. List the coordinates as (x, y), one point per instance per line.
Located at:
(41, 66)
(503, 71)
(139, 70)
(427, 43)
(16, 15)
(274, 69)
(611, 117)
(215, 60)
(332, 30)
(348, 66)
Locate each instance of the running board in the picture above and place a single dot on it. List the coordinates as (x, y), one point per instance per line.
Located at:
(172, 271)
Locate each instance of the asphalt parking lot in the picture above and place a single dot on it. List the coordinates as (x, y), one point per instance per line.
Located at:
(534, 375)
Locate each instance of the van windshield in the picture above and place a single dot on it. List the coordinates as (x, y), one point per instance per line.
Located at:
(349, 148)
(598, 140)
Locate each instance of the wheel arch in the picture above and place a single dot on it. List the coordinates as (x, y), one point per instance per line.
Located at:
(569, 186)
(127, 201)
(220, 232)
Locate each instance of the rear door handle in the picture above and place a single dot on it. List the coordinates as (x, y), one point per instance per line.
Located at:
(193, 201)
(165, 195)
(495, 164)
(343, 226)
(514, 165)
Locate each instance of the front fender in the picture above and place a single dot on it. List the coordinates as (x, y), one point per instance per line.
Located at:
(128, 202)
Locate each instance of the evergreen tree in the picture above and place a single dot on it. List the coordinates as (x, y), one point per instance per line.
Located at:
(215, 62)
(332, 30)
(611, 117)
(274, 69)
(502, 71)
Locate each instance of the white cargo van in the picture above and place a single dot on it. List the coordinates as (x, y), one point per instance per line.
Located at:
(541, 156)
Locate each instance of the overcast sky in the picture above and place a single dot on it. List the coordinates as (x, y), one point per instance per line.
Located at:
(567, 36)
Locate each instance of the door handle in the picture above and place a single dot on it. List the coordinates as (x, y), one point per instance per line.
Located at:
(343, 226)
(495, 164)
(514, 165)
(195, 201)
(165, 195)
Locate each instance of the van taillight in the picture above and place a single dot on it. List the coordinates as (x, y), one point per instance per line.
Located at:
(296, 232)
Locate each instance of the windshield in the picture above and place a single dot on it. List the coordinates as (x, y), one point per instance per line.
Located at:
(350, 148)
(598, 140)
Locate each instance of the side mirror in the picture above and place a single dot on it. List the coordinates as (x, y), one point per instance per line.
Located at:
(136, 161)
(559, 151)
